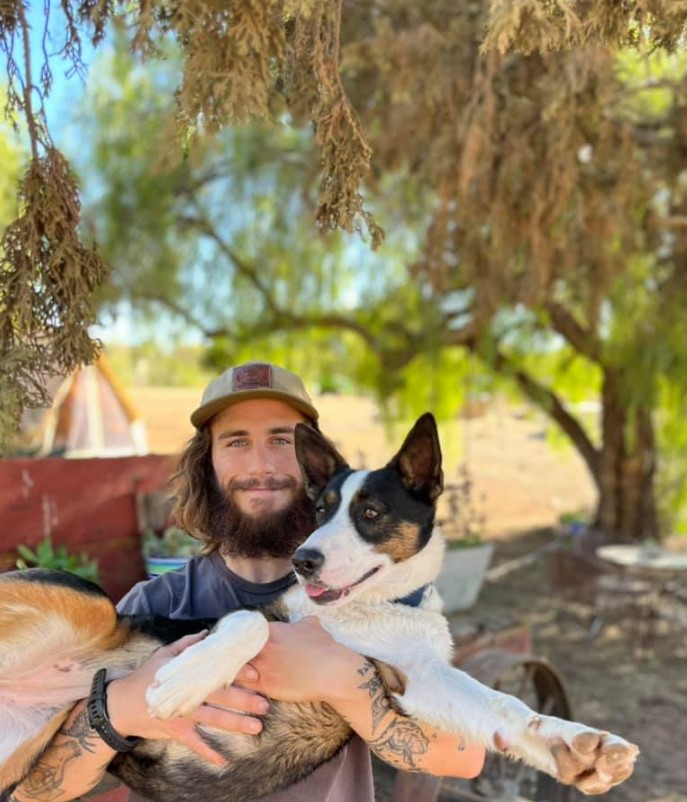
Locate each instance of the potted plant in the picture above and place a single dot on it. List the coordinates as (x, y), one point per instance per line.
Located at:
(467, 555)
(46, 555)
(169, 551)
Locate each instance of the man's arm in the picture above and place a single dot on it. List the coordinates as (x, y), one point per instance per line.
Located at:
(77, 758)
(74, 763)
(302, 662)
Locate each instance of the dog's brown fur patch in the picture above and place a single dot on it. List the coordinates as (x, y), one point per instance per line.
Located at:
(27, 608)
(403, 544)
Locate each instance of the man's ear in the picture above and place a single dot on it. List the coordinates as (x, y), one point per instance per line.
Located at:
(418, 461)
(318, 458)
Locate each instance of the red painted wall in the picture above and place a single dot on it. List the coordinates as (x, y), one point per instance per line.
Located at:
(86, 505)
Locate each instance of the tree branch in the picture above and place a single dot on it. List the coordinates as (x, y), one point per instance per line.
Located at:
(551, 404)
(181, 311)
(246, 270)
(582, 340)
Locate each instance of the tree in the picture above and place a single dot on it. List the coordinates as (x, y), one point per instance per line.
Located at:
(553, 181)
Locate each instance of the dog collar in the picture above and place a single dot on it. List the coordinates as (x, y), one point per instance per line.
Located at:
(413, 599)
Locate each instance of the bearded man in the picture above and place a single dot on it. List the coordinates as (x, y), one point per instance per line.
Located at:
(239, 490)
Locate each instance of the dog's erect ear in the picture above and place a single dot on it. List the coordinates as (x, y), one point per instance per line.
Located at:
(419, 460)
(318, 458)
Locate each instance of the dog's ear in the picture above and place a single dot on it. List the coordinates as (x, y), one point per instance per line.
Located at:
(418, 461)
(318, 458)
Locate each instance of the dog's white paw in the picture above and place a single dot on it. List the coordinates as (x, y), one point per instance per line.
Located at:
(188, 679)
(591, 760)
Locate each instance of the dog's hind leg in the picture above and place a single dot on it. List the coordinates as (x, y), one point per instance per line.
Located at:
(53, 631)
(20, 762)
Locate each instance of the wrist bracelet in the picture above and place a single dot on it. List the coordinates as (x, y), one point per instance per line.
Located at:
(96, 708)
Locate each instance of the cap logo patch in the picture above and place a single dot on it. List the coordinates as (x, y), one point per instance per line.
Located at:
(251, 377)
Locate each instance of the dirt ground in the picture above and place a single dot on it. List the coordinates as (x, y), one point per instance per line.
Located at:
(641, 694)
(612, 681)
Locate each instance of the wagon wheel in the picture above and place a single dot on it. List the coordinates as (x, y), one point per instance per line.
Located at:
(504, 780)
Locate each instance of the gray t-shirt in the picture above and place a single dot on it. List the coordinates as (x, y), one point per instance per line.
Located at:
(206, 588)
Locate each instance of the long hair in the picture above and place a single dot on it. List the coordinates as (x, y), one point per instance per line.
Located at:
(192, 484)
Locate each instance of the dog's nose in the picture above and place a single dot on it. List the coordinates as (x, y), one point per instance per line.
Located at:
(308, 562)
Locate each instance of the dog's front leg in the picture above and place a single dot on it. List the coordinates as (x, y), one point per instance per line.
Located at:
(187, 680)
(590, 759)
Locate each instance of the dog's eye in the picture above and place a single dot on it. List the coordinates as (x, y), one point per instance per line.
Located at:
(370, 513)
(319, 510)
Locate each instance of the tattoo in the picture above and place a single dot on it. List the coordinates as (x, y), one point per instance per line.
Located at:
(80, 730)
(401, 743)
(44, 783)
(380, 701)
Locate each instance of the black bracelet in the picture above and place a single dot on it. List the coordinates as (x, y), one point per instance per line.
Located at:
(96, 708)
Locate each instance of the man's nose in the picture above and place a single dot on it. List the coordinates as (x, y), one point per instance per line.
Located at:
(262, 460)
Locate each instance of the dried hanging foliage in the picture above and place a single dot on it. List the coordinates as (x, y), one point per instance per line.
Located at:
(529, 26)
(460, 110)
(245, 58)
(47, 282)
(536, 176)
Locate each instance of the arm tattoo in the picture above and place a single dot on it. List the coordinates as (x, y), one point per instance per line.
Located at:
(44, 782)
(375, 689)
(80, 730)
(401, 743)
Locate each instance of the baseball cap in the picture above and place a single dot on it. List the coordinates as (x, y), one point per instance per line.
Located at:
(253, 380)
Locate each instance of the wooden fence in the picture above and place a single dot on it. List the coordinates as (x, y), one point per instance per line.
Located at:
(87, 505)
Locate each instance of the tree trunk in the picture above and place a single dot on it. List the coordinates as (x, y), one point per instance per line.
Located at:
(627, 468)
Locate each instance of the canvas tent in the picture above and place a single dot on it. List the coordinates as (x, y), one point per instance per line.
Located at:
(90, 416)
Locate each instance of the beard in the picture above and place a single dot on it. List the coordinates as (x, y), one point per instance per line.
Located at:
(273, 534)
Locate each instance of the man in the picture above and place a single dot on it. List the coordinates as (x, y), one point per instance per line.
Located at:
(239, 490)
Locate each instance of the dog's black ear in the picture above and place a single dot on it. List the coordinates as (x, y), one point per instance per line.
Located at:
(419, 459)
(318, 458)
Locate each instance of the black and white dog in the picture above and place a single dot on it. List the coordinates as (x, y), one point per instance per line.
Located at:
(376, 543)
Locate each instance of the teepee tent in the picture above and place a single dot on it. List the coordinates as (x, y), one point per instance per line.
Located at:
(90, 416)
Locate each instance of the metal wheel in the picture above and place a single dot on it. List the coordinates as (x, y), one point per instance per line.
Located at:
(503, 780)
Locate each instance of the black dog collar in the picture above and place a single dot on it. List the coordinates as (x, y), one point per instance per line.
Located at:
(96, 708)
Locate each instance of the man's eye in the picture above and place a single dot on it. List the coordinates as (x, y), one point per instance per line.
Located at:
(370, 513)
(236, 443)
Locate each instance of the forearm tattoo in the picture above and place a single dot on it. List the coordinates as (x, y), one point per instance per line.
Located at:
(45, 782)
(401, 741)
(373, 685)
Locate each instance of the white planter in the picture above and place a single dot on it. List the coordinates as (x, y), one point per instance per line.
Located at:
(462, 574)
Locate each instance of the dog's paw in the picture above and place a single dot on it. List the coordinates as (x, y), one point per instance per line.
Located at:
(185, 682)
(188, 679)
(594, 761)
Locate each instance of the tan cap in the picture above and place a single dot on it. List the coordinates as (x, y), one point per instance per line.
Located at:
(253, 380)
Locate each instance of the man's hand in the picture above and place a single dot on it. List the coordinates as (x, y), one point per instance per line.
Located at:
(231, 709)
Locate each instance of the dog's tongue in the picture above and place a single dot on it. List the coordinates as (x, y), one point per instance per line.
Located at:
(314, 591)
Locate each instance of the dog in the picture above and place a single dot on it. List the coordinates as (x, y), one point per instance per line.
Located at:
(375, 544)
